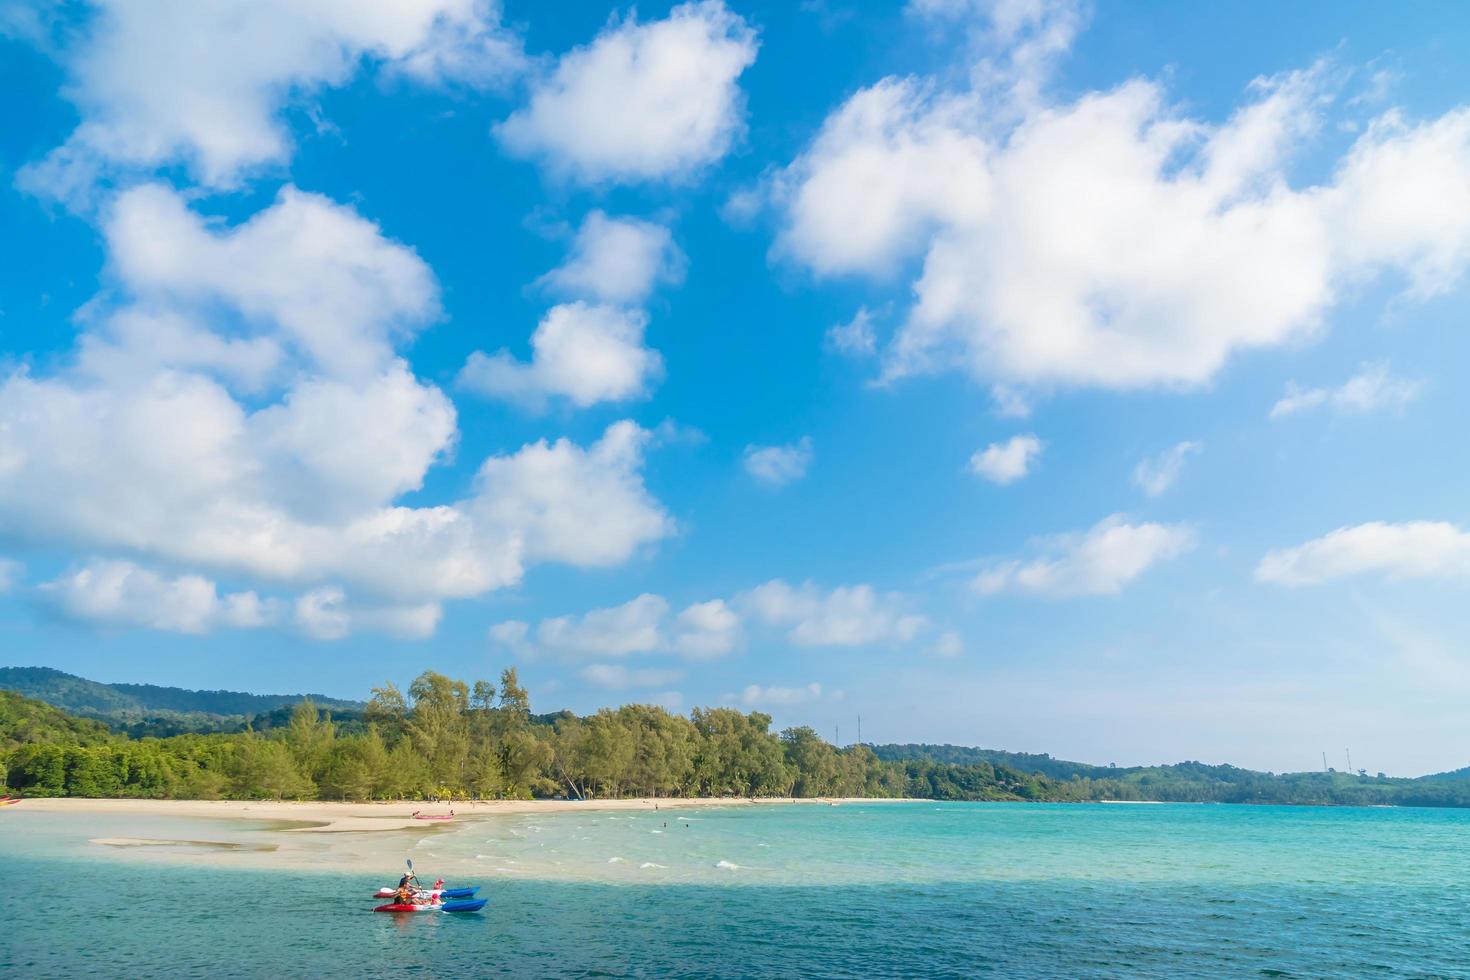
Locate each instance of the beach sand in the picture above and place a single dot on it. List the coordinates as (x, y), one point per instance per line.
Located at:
(323, 817)
(335, 836)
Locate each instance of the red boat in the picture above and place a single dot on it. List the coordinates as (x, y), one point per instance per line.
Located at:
(433, 816)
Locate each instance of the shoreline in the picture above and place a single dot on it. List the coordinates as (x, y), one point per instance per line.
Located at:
(334, 817)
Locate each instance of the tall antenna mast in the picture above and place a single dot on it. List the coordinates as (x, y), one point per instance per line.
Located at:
(1324, 761)
(837, 735)
(860, 730)
(1349, 752)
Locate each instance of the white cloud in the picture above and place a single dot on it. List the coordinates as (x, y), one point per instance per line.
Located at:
(754, 695)
(236, 407)
(1156, 474)
(703, 630)
(1370, 390)
(949, 645)
(1007, 462)
(706, 629)
(855, 615)
(314, 275)
(617, 631)
(1411, 550)
(618, 260)
(585, 507)
(617, 677)
(583, 353)
(10, 573)
(855, 337)
(1114, 241)
(122, 594)
(1099, 561)
(328, 614)
(777, 466)
(204, 84)
(642, 101)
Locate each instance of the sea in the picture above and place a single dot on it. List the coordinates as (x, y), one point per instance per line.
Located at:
(911, 889)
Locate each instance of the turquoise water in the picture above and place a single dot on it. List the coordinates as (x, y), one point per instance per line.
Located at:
(860, 890)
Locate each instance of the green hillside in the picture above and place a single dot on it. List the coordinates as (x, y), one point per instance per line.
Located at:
(27, 722)
(146, 709)
(964, 755)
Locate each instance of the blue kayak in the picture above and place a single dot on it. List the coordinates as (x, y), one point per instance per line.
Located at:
(432, 892)
(467, 905)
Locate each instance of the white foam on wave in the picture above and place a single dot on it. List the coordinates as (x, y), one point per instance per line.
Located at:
(650, 864)
(617, 860)
(655, 831)
(727, 865)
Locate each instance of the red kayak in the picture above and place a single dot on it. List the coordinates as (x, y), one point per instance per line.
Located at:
(467, 905)
(432, 816)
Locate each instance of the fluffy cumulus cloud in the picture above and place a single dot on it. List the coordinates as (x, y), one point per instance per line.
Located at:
(1099, 561)
(1007, 462)
(590, 350)
(158, 82)
(706, 629)
(618, 260)
(328, 613)
(1411, 550)
(308, 274)
(776, 466)
(583, 353)
(122, 594)
(584, 507)
(756, 696)
(1113, 241)
(806, 615)
(1154, 475)
(855, 338)
(640, 626)
(10, 574)
(617, 677)
(1372, 389)
(235, 405)
(642, 101)
(855, 615)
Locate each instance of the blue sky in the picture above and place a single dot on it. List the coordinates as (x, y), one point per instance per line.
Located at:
(1080, 379)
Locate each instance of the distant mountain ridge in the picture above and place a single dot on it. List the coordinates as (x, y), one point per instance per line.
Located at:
(87, 698)
(964, 755)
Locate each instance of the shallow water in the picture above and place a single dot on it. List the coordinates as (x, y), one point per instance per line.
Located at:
(858, 890)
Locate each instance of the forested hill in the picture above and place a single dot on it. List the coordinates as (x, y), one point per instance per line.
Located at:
(964, 755)
(27, 722)
(79, 696)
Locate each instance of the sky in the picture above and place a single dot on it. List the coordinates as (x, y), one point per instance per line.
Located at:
(1057, 377)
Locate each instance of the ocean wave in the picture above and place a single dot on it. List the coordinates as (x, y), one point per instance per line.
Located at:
(650, 864)
(617, 860)
(727, 865)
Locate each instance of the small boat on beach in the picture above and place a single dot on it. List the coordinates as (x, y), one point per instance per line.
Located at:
(433, 816)
(7, 800)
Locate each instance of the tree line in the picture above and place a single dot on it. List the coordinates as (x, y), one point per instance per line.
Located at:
(448, 740)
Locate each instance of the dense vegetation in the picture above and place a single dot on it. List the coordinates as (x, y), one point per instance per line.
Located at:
(139, 710)
(446, 739)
